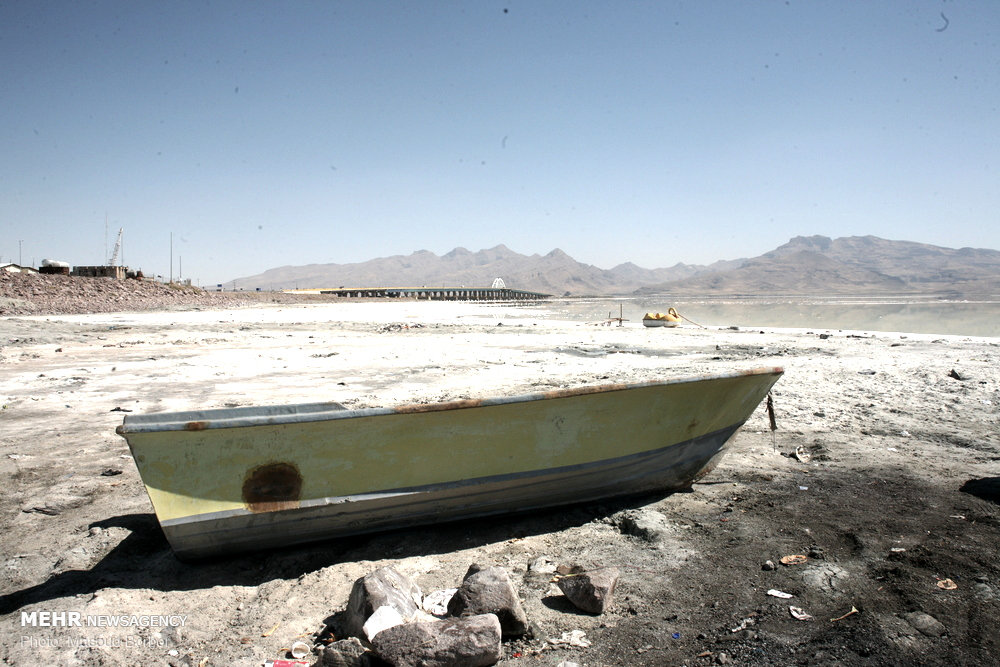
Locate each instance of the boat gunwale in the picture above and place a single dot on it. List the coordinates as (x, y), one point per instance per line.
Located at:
(314, 412)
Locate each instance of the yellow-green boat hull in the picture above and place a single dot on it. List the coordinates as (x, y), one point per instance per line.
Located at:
(251, 478)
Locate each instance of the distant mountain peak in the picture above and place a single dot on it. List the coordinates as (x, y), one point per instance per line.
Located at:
(804, 265)
(815, 241)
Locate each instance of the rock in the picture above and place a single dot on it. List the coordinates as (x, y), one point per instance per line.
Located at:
(473, 569)
(383, 618)
(648, 525)
(534, 631)
(828, 578)
(384, 587)
(769, 565)
(817, 553)
(591, 591)
(984, 591)
(473, 641)
(490, 591)
(345, 653)
(899, 632)
(436, 603)
(926, 624)
(542, 565)
(955, 375)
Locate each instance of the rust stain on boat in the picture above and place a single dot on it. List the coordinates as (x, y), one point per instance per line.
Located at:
(272, 487)
(195, 426)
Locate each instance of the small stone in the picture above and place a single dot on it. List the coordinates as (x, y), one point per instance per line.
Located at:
(591, 591)
(926, 624)
(490, 591)
(436, 603)
(345, 653)
(955, 375)
(542, 565)
(383, 618)
(722, 659)
(984, 591)
(473, 641)
(817, 553)
(383, 587)
(769, 565)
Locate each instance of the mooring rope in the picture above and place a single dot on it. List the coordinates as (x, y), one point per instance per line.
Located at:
(691, 321)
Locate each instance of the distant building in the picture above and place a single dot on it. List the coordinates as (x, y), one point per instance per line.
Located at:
(16, 268)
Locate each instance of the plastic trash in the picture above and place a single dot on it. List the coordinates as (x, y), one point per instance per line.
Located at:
(794, 559)
(572, 638)
(799, 614)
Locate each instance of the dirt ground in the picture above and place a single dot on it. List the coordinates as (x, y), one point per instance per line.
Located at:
(879, 500)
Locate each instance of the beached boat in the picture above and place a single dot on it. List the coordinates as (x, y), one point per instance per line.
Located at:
(667, 319)
(248, 478)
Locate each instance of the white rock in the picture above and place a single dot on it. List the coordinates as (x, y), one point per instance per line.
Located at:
(383, 618)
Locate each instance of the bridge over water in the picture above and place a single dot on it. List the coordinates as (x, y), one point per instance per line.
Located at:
(430, 293)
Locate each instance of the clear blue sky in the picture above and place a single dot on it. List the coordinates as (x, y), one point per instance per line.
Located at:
(287, 133)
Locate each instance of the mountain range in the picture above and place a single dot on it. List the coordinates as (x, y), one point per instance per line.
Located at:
(806, 265)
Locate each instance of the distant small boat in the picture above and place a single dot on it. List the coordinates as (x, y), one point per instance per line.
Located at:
(667, 319)
(248, 478)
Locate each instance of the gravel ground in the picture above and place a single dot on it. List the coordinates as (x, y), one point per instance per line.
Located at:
(879, 490)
